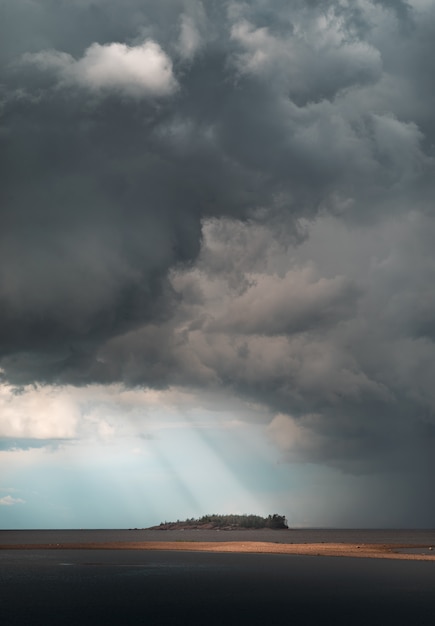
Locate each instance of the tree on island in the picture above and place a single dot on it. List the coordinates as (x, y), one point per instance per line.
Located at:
(228, 522)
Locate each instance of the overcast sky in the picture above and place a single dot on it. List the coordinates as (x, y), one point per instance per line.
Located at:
(217, 261)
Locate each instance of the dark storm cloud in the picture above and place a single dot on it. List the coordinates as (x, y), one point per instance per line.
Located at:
(164, 167)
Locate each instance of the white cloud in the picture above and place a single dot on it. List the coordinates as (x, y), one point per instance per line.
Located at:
(10, 501)
(137, 71)
(109, 413)
(37, 412)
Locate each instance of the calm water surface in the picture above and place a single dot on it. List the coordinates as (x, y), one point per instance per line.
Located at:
(281, 536)
(133, 587)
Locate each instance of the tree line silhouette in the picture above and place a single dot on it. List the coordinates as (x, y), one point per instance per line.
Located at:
(274, 521)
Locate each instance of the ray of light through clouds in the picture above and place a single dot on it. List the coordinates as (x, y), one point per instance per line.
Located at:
(216, 261)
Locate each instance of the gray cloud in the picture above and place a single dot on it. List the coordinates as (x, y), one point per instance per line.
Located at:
(295, 303)
(233, 196)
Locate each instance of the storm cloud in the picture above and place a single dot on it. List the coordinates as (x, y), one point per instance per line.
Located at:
(236, 196)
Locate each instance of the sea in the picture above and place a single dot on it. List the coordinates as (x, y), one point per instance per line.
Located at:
(134, 587)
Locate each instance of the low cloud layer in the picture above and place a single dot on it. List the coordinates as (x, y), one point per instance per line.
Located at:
(233, 196)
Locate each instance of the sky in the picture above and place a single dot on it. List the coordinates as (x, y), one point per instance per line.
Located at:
(216, 261)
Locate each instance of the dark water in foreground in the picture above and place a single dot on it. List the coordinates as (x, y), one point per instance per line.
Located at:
(84, 587)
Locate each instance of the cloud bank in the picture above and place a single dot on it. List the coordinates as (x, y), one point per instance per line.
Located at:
(233, 196)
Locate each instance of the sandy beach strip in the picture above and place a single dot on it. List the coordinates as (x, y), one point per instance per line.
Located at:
(373, 551)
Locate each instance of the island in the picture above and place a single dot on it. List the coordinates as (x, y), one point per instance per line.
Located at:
(226, 522)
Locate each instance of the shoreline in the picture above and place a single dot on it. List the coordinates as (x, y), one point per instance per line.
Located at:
(373, 551)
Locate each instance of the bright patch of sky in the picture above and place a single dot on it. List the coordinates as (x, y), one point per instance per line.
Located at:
(175, 462)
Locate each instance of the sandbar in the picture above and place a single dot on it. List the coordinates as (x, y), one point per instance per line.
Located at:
(373, 551)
